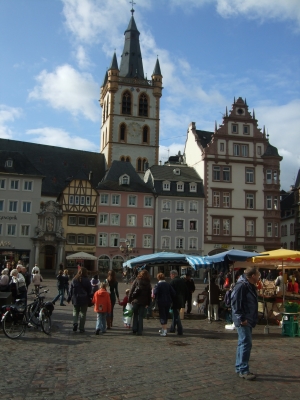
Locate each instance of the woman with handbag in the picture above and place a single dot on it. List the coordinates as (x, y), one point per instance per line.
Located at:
(140, 298)
(112, 282)
(80, 293)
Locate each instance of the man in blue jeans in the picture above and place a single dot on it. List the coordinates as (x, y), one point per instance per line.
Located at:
(180, 288)
(244, 306)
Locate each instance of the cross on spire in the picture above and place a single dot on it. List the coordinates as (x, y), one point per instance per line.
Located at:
(132, 3)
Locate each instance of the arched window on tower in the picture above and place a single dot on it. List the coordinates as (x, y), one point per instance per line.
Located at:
(104, 112)
(107, 106)
(122, 158)
(126, 103)
(143, 106)
(145, 134)
(145, 164)
(122, 136)
(139, 164)
(127, 159)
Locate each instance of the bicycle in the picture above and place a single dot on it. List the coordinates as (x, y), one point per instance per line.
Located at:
(16, 318)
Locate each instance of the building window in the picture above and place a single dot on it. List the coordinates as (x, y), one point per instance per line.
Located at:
(180, 205)
(259, 150)
(126, 103)
(103, 219)
(114, 240)
(275, 177)
(1, 205)
(80, 239)
(132, 240)
(122, 133)
(179, 224)
(132, 201)
(250, 201)
(147, 241)
(194, 206)
(72, 220)
(276, 229)
(71, 199)
(148, 201)
(193, 243)
(76, 200)
(246, 130)
(234, 128)
(180, 187)
(28, 185)
(145, 134)
(2, 184)
(216, 199)
(179, 243)
(88, 200)
(240, 150)
(115, 199)
(250, 225)
(115, 219)
(26, 207)
(193, 187)
(226, 227)
(292, 229)
(269, 229)
(131, 220)
(11, 229)
(82, 200)
(275, 203)
(249, 175)
(148, 221)
(269, 176)
(102, 239)
(124, 180)
(216, 226)
(24, 230)
(143, 106)
(193, 225)
(71, 239)
(269, 202)
(166, 185)
(14, 185)
(90, 240)
(166, 224)
(81, 221)
(104, 198)
(12, 206)
(221, 173)
(222, 146)
(166, 205)
(226, 200)
(91, 221)
(165, 242)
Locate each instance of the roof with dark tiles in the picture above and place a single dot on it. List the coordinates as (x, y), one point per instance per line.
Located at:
(187, 175)
(204, 137)
(271, 151)
(58, 164)
(20, 164)
(118, 169)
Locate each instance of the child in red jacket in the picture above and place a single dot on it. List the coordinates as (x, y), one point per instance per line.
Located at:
(102, 306)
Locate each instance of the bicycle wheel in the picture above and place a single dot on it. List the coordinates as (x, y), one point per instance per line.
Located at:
(33, 314)
(45, 320)
(13, 325)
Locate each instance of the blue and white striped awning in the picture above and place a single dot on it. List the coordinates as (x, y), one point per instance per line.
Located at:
(198, 262)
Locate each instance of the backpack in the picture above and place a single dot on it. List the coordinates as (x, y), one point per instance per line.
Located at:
(227, 298)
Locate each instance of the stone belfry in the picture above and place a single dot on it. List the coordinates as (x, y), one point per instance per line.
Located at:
(131, 107)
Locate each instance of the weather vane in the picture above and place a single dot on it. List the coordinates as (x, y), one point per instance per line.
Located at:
(132, 3)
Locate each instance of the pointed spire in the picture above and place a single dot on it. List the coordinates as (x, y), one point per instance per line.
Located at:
(114, 62)
(216, 126)
(234, 100)
(156, 70)
(253, 114)
(105, 79)
(226, 113)
(131, 62)
(245, 101)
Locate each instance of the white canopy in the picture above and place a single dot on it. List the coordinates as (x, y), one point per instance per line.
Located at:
(81, 256)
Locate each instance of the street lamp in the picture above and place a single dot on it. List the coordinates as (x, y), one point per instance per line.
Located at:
(127, 249)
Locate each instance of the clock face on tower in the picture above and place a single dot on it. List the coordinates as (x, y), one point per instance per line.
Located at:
(134, 130)
(240, 111)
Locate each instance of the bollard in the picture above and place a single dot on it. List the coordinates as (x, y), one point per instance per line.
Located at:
(266, 330)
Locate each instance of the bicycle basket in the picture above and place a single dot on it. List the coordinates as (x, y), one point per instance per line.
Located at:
(50, 307)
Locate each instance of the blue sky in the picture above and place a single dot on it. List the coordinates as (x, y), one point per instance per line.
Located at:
(55, 54)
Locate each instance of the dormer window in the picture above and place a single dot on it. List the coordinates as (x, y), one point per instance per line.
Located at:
(124, 180)
(180, 186)
(193, 187)
(9, 163)
(166, 185)
(176, 171)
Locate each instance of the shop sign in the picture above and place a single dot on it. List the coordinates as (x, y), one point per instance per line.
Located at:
(221, 246)
(5, 244)
(9, 217)
(249, 247)
(85, 248)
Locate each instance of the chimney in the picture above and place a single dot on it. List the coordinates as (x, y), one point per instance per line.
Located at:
(90, 175)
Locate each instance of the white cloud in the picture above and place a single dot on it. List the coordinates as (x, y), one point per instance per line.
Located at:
(59, 137)
(67, 89)
(82, 58)
(8, 114)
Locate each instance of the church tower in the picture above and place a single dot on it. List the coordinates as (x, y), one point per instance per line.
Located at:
(130, 107)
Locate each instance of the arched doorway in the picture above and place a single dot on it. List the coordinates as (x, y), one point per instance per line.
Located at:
(49, 260)
(103, 264)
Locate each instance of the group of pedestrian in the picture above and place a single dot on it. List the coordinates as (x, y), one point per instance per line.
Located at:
(15, 279)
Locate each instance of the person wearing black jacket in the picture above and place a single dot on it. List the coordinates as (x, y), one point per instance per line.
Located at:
(164, 295)
(140, 298)
(190, 284)
(61, 280)
(80, 292)
(180, 288)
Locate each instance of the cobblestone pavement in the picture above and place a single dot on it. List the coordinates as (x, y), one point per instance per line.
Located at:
(118, 365)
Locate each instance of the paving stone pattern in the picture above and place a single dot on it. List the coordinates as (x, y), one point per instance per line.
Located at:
(119, 365)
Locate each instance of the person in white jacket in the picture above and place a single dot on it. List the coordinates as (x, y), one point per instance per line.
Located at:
(37, 279)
